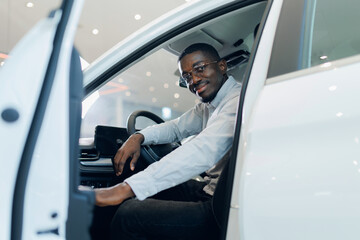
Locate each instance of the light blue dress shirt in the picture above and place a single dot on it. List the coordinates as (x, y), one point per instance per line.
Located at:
(212, 124)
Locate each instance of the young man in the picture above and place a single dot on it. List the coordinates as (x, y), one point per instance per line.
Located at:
(168, 205)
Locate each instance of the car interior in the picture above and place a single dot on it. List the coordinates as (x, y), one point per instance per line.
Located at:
(233, 42)
(105, 128)
(142, 87)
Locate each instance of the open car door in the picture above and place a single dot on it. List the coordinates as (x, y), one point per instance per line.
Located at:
(40, 99)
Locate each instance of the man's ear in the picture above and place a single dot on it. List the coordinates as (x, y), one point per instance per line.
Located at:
(223, 66)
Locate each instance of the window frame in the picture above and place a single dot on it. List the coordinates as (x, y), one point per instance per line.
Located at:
(287, 50)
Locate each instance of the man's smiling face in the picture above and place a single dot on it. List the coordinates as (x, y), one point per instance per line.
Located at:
(206, 74)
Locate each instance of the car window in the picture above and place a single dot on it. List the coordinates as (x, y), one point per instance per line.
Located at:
(310, 33)
(333, 29)
(113, 102)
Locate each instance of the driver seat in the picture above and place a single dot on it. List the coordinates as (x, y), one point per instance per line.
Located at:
(221, 200)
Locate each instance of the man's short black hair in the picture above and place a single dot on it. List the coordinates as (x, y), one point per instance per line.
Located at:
(203, 47)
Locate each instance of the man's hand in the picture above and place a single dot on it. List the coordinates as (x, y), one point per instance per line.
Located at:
(131, 148)
(114, 195)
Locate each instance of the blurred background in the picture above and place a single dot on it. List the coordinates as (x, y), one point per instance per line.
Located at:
(151, 84)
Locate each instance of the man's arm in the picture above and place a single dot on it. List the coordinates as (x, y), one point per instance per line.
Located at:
(175, 130)
(188, 124)
(166, 132)
(192, 158)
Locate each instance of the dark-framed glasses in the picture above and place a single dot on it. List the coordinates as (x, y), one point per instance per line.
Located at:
(187, 78)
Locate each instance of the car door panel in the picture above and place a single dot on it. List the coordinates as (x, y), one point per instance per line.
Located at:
(306, 129)
(20, 92)
(53, 155)
(296, 176)
(40, 191)
(254, 81)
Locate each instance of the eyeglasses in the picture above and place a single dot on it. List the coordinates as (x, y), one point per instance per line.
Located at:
(187, 78)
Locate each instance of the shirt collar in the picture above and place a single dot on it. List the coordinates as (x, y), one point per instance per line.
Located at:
(225, 88)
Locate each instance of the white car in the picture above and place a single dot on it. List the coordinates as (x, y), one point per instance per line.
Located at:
(295, 166)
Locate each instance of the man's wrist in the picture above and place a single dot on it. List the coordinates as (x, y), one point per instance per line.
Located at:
(126, 190)
(139, 136)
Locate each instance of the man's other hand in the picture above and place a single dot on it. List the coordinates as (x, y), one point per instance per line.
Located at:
(130, 149)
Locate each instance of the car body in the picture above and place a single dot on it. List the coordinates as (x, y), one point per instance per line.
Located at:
(294, 170)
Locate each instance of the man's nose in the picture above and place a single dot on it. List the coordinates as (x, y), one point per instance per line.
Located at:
(195, 78)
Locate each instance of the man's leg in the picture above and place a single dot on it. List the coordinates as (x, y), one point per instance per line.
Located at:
(189, 191)
(181, 212)
(102, 216)
(164, 219)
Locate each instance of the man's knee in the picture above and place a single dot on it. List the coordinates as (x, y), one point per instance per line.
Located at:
(125, 211)
(125, 219)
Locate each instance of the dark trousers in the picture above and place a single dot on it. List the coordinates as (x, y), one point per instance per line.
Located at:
(181, 212)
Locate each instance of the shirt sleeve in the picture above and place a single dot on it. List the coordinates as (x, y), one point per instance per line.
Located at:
(196, 156)
(188, 124)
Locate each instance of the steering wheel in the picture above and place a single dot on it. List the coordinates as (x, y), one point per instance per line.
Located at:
(150, 153)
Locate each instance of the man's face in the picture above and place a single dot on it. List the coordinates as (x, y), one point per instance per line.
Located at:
(206, 75)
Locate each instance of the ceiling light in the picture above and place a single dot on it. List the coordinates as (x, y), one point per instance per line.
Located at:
(355, 162)
(323, 57)
(127, 93)
(137, 17)
(30, 4)
(2, 64)
(148, 74)
(95, 31)
(325, 65)
(166, 85)
(151, 89)
(176, 95)
(332, 88)
(120, 80)
(339, 114)
(115, 87)
(3, 55)
(153, 99)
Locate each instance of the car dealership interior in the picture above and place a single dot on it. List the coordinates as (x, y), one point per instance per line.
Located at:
(262, 114)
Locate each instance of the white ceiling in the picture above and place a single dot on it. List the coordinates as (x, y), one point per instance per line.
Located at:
(114, 20)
